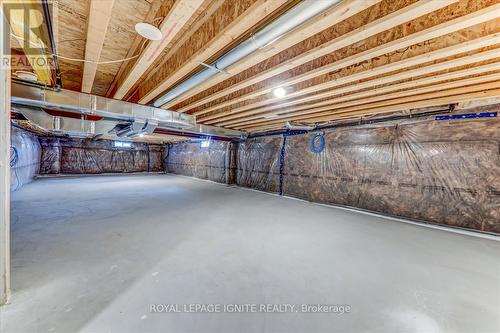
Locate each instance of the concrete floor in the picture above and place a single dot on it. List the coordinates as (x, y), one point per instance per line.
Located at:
(91, 254)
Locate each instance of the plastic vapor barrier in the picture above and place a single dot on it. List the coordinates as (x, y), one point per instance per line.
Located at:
(85, 156)
(258, 163)
(191, 159)
(440, 171)
(24, 157)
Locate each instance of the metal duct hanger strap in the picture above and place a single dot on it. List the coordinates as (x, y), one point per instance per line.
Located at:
(301, 13)
(138, 127)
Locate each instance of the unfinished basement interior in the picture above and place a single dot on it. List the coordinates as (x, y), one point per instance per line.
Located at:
(250, 166)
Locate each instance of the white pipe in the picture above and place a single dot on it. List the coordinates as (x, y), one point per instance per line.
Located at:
(292, 19)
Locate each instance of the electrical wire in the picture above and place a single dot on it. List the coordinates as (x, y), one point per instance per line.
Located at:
(14, 156)
(91, 61)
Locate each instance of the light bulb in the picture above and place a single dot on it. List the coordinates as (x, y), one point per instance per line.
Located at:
(279, 92)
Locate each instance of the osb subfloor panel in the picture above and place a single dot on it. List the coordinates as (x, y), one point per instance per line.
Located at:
(91, 254)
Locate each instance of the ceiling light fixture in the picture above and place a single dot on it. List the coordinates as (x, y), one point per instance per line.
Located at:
(27, 76)
(148, 31)
(279, 92)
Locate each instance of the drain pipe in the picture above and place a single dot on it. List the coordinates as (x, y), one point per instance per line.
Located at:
(301, 13)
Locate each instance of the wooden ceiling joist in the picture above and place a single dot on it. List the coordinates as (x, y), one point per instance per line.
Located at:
(98, 20)
(484, 15)
(375, 82)
(164, 79)
(34, 47)
(450, 96)
(134, 48)
(178, 43)
(378, 92)
(356, 59)
(389, 21)
(488, 96)
(171, 25)
(385, 69)
(336, 14)
(383, 98)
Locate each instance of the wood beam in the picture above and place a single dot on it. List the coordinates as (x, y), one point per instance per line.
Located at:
(134, 48)
(163, 80)
(334, 15)
(385, 69)
(381, 99)
(177, 44)
(4, 157)
(379, 93)
(424, 100)
(33, 46)
(445, 28)
(178, 16)
(98, 20)
(389, 21)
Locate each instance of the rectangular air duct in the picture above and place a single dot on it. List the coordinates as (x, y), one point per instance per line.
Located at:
(134, 119)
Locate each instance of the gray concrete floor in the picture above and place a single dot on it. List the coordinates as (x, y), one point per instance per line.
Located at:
(91, 254)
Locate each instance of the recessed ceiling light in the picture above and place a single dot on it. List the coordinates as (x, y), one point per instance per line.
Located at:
(148, 31)
(279, 92)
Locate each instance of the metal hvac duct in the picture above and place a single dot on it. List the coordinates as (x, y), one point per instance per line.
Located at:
(292, 19)
(76, 102)
(62, 125)
(127, 119)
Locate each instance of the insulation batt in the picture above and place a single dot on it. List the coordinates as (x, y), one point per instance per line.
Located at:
(84, 156)
(25, 157)
(442, 172)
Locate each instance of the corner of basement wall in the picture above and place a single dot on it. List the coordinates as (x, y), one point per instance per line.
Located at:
(216, 162)
(25, 154)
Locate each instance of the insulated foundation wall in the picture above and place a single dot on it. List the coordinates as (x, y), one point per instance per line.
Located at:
(258, 163)
(436, 171)
(83, 156)
(443, 172)
(25, 154)
(215, 163)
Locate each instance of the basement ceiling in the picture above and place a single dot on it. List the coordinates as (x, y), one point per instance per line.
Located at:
(357, 59)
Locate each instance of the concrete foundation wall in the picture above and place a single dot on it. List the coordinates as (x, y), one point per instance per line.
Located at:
(25, 154)
(443, 172)
(82, 156)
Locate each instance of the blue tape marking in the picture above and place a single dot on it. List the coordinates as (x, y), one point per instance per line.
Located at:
(14, 156)
(467, 116)
(282, 162)
(317, 143)
(294, 132)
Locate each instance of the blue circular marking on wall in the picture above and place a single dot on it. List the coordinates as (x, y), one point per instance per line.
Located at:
(317, 143)
(14, 156)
